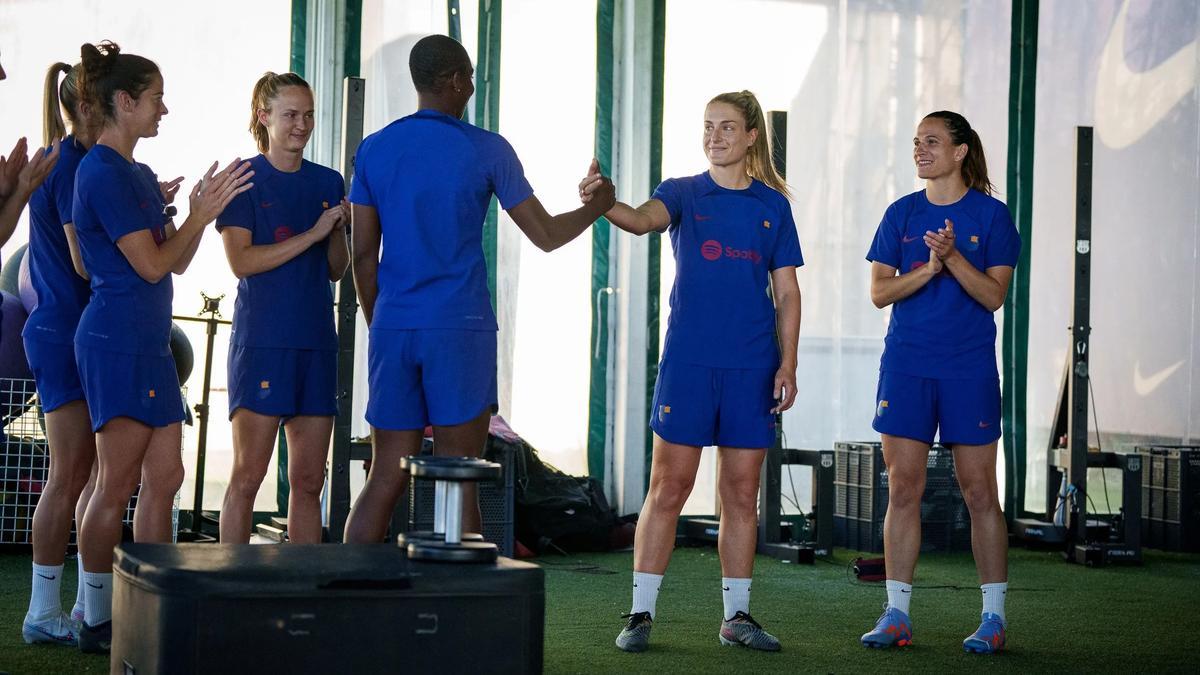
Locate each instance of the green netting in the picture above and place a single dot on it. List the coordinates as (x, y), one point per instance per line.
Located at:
(600, 299)
(1015, 340)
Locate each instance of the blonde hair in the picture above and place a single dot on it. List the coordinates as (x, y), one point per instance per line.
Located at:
(266, 90)
(66, 94)
(758, 158)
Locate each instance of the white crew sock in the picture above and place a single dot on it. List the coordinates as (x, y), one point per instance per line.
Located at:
(44, 601)
(645, 592)
(98, 593)
(77, 610)
(735, 593)
(899, 594)
(993, 598)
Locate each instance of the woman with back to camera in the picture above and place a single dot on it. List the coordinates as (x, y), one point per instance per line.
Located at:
(943, 257)
(57, 275)
(130, 248)
(285, 241)
(724, 374)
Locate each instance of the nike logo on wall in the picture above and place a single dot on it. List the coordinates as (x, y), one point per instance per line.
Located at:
(1144, 385)
(46, 577)
(908, 239)
(1130, 104)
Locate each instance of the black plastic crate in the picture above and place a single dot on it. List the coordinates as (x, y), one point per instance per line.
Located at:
(861, 497)
(495, 500)
(1171, 497)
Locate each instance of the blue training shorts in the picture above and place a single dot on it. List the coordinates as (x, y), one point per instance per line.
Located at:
(138, 386)
(702, 406)
(55, 372)
(960, 411)
(282, 382)
(429, 376)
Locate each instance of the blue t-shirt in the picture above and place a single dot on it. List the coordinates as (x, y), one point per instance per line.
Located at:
(61, 292)
(114, 198)
(940, 331)
(726, 242)
(291, 306)
(431, 177)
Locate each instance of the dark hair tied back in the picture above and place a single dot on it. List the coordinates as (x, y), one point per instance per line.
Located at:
(107, 71)
(974, 167)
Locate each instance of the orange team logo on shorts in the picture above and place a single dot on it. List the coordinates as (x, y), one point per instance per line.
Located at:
(663, 410)
(767, 224)
(265, 384)
(151, 393)
(882, 408)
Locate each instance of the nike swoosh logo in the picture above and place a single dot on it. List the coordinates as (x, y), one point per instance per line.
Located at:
(1129, 104)
(700, 217)
(1143, 385)
(904, 591)
(91, 585)
(46, 577)
(908, 239)
(724, 588)
(984, 425)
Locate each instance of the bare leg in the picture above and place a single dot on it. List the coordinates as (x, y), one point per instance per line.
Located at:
(162, 474)
(975, 466)
(672, 475)
(308, 448)
(120, 446)
(737, 484)
(906, 460)
(468, 439)
(368, 520)
(253, 443)
(72, 458)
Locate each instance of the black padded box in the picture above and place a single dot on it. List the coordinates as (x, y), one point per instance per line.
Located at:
(322, 608)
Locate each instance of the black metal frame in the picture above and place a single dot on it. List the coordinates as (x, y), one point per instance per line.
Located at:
(1096, 540)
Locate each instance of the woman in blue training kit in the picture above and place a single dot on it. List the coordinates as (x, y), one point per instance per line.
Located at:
(724, 374)
(944, 257)
(285, 242)
(130, 248)
(421, 190)
(57, 275)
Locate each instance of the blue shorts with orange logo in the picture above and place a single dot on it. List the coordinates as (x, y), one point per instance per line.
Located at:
(282, 382)
(420, 377)
(702, 406)
(139, 386)
(54, 372)
(959, 411)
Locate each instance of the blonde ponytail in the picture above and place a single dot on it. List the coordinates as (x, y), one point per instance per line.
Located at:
(55, 98)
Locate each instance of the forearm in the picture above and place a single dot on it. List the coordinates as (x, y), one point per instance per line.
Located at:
(887, 290)
(982, 288)
(337, 255)
(564, 227)
(10, 213)
(162, 260)
(186, 258)
(250, 260)
(629, 219)
(787, 325)
(366, 268)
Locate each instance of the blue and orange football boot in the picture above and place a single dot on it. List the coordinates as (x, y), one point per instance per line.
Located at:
(894, 629)
(989, 638)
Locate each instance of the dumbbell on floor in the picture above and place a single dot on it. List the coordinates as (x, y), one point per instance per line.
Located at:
(447, 543)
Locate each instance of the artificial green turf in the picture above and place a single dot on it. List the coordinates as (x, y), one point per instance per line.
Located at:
(1064, 618)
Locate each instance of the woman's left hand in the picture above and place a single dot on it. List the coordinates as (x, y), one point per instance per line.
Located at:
(169, 189)
(942, 241)
(785, 389)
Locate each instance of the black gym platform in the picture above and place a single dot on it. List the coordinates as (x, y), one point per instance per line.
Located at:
(216, 608)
